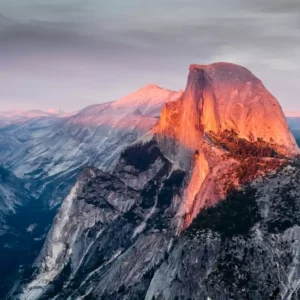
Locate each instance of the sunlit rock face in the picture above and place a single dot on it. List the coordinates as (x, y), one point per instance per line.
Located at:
(247, 107)
(221, 97)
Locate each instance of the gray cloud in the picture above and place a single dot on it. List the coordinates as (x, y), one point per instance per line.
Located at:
(275, 6)
(101, 50)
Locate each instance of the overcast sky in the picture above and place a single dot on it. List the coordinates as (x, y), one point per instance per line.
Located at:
(71, 53)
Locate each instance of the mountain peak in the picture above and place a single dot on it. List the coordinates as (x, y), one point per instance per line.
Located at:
(292, 114)
(219, 100)
(225, 96)
(228, 73)
(155, 89)
(148, 96)
(55, 111)
(151, 86)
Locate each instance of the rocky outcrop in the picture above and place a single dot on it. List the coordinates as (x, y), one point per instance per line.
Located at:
(243, 248)
(219, 99)
(124, 205)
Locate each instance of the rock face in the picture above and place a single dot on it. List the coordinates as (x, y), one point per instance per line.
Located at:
(243, 248)
(101, 206)
(205, 206)
(114, 238)
(221, 97)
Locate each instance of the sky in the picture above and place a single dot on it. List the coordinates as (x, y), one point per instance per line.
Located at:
(68, 54)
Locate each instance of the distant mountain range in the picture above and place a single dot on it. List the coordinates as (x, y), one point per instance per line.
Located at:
(15, 116)
(48, 151)
(292, 114)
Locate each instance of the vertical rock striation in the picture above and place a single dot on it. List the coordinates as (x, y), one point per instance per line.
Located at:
(218, 98)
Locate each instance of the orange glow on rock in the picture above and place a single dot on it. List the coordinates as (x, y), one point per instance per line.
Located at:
(217, 98)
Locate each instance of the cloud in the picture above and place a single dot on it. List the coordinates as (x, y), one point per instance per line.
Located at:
(102, 44)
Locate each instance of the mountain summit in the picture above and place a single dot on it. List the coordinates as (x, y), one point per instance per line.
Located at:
(224, 96)
(226, 103)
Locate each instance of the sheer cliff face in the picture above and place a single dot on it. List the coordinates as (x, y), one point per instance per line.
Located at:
(196, 111)
(221, 97)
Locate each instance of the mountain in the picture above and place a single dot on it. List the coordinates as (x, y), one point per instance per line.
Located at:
(47, 151)
(20, 116)
(53, 150)
(29, 114)
(226, 104)
(226, 97)
(56, 111)
(204, 206)
(16, 136)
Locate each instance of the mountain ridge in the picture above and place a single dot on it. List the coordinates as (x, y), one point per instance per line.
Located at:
(83, 136)
(48, 152)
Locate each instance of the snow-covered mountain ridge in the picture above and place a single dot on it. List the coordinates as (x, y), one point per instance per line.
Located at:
(224, 100)
(51, 151)
(292, 114)
(19, 116)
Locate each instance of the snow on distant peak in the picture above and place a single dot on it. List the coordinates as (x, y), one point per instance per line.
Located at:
(55, 111)
(292, 114)
(18, 114)
(23, 113)
(151, 86)
(148, 96)
(224, 96)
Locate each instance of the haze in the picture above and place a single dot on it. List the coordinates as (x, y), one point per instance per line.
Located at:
(73, 53)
